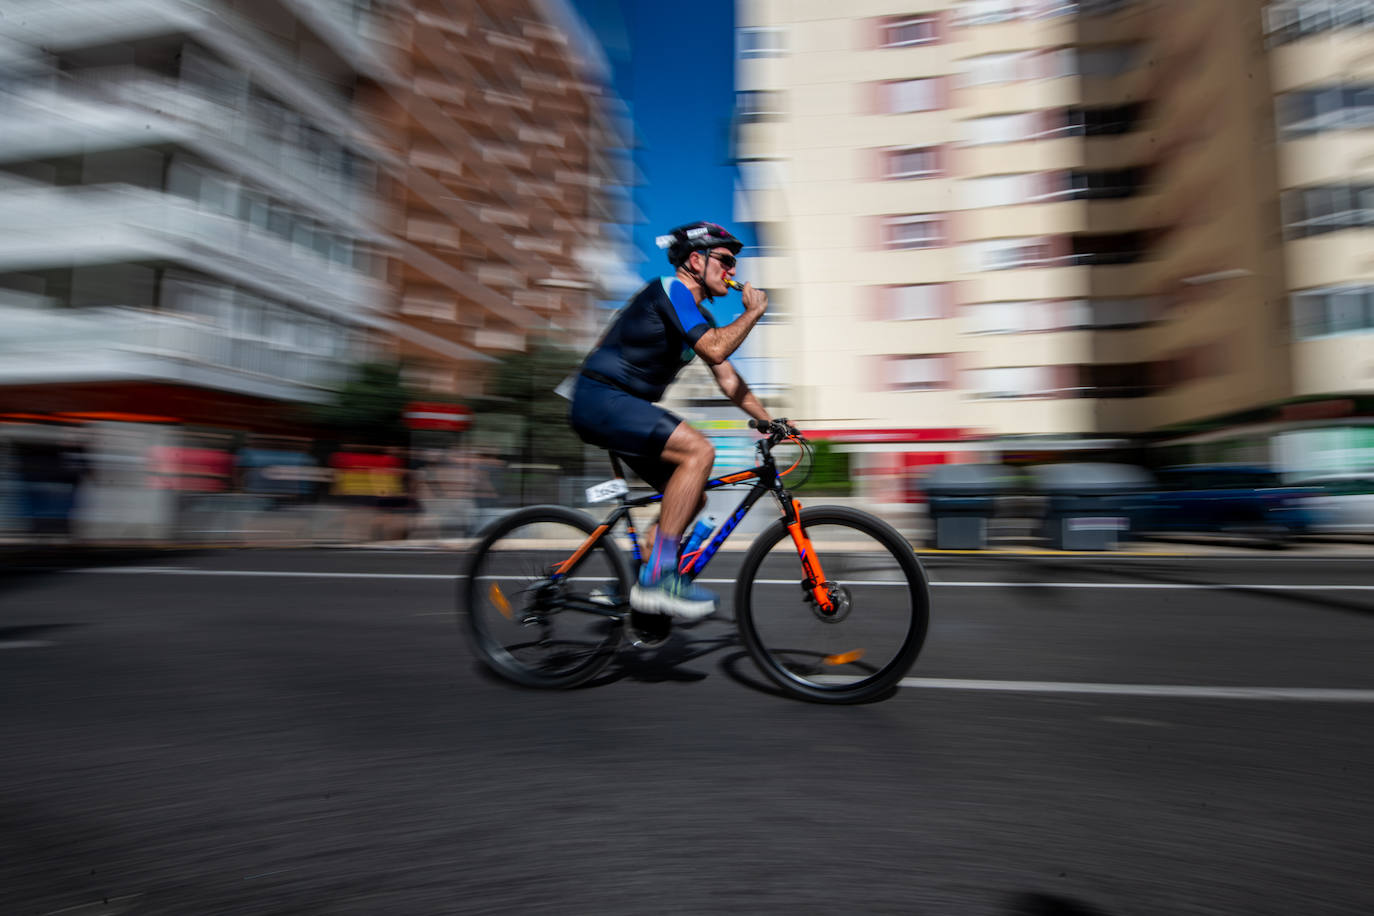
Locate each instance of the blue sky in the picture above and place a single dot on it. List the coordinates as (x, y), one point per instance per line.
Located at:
(674, 66)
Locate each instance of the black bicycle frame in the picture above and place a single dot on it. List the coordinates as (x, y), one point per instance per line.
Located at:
(766, 480)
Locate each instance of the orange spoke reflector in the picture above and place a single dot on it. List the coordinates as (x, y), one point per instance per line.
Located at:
(844, 658)
(498, 599)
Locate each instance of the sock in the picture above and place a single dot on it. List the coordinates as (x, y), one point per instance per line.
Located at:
(662, 558)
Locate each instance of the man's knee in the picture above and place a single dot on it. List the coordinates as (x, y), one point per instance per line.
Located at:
(688, 447)
(705, 452)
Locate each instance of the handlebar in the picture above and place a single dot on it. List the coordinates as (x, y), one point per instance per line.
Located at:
(775, 430)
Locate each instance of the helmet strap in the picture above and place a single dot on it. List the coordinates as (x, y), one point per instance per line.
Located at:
(701, 277)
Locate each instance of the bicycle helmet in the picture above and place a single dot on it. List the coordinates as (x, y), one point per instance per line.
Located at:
(701, 236)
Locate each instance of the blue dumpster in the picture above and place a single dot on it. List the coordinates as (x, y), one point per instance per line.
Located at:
(1087, 505)
(962, 500)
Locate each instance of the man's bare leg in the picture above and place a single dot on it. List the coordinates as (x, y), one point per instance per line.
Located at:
(656, 591)
(694, 455)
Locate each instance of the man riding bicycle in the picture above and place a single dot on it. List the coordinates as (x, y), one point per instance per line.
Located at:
(657, 333)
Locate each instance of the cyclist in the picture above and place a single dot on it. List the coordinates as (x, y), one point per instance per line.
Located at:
(657, 333)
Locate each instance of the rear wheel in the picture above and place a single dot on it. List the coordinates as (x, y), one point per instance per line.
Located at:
(881, 607)
(531, 624)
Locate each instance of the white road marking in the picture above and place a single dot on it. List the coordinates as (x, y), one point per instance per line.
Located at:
(1184, 586)
(263, 573)
(1188, 691)
(446, 577)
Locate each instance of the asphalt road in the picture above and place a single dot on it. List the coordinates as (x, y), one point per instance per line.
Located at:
(307, 732)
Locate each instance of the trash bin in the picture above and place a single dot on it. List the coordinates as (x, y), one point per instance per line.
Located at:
(962, 500)
(1087, 506)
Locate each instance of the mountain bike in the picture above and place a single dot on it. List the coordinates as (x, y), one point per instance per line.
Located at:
(831, 603)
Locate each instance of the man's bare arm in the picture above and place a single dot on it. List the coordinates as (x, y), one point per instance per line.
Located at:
(737, 390)
(716, 345)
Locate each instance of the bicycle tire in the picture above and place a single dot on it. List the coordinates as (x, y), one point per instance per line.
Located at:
(508, 596)
(816, 672)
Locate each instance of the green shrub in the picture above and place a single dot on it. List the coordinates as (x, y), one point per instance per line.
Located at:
(830, 473)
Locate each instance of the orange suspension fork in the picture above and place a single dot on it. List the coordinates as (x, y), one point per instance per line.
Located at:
(811, 564)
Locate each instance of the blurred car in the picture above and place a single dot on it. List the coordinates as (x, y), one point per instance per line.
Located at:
(1237, 500)
(1341, 503)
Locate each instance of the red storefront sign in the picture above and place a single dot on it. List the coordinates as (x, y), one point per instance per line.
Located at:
(430, 415)
(888, 435)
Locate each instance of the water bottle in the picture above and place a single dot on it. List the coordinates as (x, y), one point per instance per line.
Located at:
(699, 534)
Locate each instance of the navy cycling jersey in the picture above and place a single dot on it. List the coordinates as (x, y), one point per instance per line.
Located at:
(651, 339)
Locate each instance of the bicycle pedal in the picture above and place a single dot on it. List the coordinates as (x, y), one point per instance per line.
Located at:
(649, 631)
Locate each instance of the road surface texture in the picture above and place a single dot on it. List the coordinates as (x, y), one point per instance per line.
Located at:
(307, 732)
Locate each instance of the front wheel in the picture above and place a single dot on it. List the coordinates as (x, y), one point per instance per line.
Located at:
(881, 607)
(531, 622)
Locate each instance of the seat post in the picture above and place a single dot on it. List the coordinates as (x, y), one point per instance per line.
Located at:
(615, 466)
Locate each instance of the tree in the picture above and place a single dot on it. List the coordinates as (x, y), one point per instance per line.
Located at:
(522, 386)
(369, 408)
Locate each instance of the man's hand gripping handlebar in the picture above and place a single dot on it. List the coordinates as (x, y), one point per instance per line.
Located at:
(775, 430)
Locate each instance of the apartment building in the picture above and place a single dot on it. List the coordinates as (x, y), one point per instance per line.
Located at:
(512, 189)
(192, 230)
(1003, 227)
(213, 210)
(1322, 65)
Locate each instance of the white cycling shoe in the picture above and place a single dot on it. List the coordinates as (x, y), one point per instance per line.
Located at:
(675, 597)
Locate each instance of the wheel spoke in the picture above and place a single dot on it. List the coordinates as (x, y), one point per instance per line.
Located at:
(512, 596)
(879, 607)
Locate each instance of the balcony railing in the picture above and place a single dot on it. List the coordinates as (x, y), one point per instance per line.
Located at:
(59, 225)
(81, 109)
(41, 344)
(356, 32)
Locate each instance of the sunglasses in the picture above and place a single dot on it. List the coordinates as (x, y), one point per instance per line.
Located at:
(727, 261)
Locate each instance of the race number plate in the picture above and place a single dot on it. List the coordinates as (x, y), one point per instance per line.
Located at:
(608, 490)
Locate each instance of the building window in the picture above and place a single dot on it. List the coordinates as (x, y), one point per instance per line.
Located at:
(1107, 184)
(1108, 248)
(911, 95)
(1107, 60)
(987, 12)
(911, 162)
(1099, 7)
(1333, 310)
(911, 30)
(917, 230)
(914, 373)
(1294, 20)
(761, 174)
(429, 305)
(1011, 382)
(758, 41)
(1008, 128)
(1116, 312)
(1092, 122)
(1009, 254)
(1329, 208)
(998, 190)
(1311, 111)
(1011, 317)
(1120, 380)
(993, 69)
(916, 302)
(758, 104)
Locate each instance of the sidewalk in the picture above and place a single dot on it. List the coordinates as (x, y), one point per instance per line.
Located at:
(1192, 547)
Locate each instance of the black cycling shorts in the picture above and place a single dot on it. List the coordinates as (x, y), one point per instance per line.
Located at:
(634, 429)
